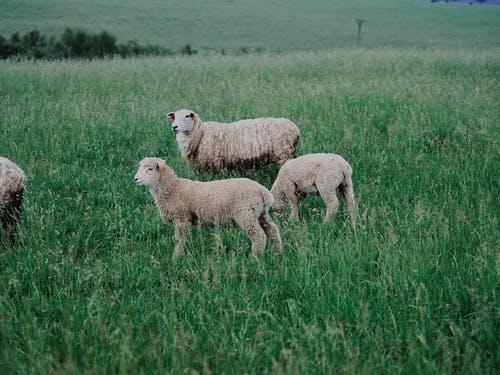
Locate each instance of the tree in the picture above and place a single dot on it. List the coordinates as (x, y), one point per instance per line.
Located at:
(103, 44)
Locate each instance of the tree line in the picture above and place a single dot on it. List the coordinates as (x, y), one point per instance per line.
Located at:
(78, 44)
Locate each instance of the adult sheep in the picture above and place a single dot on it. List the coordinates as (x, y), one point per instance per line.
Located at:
(184, 202)
(318, 174)
(237, 145)
(12, 182)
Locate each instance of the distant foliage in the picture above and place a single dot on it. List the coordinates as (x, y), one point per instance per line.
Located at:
(460, 1)
(74, 44)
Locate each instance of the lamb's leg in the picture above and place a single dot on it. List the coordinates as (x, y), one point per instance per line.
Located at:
(294, 198)
(257, 235)
(11, 216)
(181, 230)
(286, 190)
(272, 232)
(329, 196)
(294, 208)
(347, 192)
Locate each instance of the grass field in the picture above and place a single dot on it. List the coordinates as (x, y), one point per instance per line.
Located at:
(91, 287)
(274, 26)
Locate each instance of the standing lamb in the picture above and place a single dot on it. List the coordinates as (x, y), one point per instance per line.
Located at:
(12, 180)
(237, 201)
(238, 145)
(318, 174)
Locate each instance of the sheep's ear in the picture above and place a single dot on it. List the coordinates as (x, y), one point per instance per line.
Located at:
(191, 115)
(161, 164)
(171, 115)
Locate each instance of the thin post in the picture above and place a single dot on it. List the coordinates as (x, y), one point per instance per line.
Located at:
(360, 25)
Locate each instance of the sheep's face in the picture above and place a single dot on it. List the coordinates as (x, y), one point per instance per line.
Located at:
(279, 205)
(149, 171)
(184, 121)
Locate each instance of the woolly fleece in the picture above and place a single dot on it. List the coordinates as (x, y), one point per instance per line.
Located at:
(238, 145)
(12, 183)
(318, 174)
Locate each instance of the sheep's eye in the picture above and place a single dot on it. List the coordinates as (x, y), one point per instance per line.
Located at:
(149, 169)
(188, 116)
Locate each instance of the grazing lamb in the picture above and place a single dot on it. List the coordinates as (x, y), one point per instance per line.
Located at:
(12, 180)
(318, 174)
(238, 145)
(237, 201)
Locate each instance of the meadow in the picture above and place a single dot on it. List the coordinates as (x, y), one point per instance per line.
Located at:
(272, 26)
(91, 286)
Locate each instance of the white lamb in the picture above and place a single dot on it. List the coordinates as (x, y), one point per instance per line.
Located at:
(184, 202)
(12, 183)
(318, 174)
(238, 145)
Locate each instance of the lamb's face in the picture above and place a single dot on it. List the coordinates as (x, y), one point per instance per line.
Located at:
(184, 121)
(149, 171)
(279, 205)
(280, 202)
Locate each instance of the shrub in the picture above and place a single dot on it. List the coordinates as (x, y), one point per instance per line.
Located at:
(77, 44)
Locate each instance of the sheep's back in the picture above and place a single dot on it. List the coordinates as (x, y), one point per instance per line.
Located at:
(246, 141)
(219, 201)
(304, 170)
(12, 179)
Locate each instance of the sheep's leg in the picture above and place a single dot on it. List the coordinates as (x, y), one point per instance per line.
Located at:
(272, 232)
(181, 230)
(8, 224)
(294, 199)
(330, 199)
(287, 189)
(11, 216)
(256, 234)
(347, 192)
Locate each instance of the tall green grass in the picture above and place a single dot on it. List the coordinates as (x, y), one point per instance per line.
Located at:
(91, 287)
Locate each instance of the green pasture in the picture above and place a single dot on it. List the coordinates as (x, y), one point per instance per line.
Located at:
(273, 26)
(91, 287)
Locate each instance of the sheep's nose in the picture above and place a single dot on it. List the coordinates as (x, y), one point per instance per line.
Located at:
(174, 128)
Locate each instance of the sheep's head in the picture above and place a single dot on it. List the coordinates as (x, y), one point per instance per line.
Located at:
(280, 203)
(185, 121)
(150, 171)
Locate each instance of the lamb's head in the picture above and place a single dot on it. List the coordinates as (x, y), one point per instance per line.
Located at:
(280, 203)
(185, 121)
(152, 171)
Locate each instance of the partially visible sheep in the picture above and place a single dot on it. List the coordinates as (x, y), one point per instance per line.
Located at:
(12, 181)
(238, 145)
(318, 174)
(237, 201)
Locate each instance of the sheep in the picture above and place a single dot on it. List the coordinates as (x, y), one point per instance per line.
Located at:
(239, 201)
(238, 145)
(318, 174)
(12, 184)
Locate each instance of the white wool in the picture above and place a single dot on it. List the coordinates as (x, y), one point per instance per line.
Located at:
(319, 174)
(238, 145)
(12, 183)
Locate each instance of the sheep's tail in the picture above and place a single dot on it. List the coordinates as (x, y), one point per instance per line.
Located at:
(347, 190)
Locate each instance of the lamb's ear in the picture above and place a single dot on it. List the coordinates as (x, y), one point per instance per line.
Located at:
(171, 115)
(161, 164)
(191, 115)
